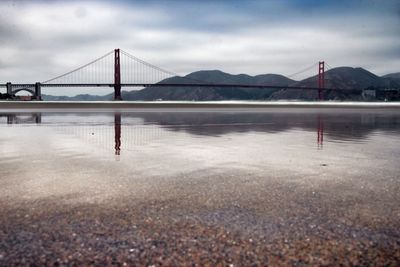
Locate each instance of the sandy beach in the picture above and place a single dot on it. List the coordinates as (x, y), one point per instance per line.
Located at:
(146, 234)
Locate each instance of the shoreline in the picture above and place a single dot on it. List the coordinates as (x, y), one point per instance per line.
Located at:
(209, 105)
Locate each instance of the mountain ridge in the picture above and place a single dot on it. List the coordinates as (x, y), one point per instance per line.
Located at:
(346, 78)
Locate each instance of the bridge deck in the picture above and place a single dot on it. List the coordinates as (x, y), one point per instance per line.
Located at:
(210, 85)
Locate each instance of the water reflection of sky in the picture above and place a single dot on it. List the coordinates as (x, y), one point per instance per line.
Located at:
(237, 139)
(259, 173)
(339, 126)
(69, 152)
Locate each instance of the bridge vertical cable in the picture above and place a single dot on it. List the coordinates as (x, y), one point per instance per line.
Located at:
(98, 71)
(134, 71)
(138, 71)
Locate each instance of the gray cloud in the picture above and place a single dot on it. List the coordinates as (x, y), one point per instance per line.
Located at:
(42, 39)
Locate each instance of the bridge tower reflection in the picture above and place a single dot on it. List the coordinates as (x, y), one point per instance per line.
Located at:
(320, 132)
(24, 119)
(117, 133)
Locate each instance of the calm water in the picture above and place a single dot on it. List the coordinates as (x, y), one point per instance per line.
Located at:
(84, 154)
(269, 173)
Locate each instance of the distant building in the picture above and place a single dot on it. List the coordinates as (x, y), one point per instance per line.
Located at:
(369, 94)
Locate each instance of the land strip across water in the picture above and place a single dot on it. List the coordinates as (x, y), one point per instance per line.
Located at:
(210, 105)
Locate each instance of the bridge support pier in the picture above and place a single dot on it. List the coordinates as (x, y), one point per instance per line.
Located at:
(9, 88)
(38, 91)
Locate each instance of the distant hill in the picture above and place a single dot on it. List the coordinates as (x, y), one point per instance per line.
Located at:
(395, 75)
(393, 79)
(83, 97)
(212, 93)
(343, 77)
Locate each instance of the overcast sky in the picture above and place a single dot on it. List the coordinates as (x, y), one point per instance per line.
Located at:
(42, 39)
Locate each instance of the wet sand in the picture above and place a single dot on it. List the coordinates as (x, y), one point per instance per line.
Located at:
(208, 222)
(211, 194)
(145, 234)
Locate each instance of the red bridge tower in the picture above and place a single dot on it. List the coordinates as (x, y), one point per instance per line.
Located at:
(117, 75)
(321, 79)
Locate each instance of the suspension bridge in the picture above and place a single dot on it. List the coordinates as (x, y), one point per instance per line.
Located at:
(119, 69)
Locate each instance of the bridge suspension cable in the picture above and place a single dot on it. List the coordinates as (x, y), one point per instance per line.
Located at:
(101, 71)
(81, 74)
(139, 71)
(328, 67)
(149, 65)
(302, 70)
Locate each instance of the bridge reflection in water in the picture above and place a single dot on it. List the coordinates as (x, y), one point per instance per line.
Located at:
(117, 133)
(130, 131)
(320, 132)
(119, 136)
(24, 118)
